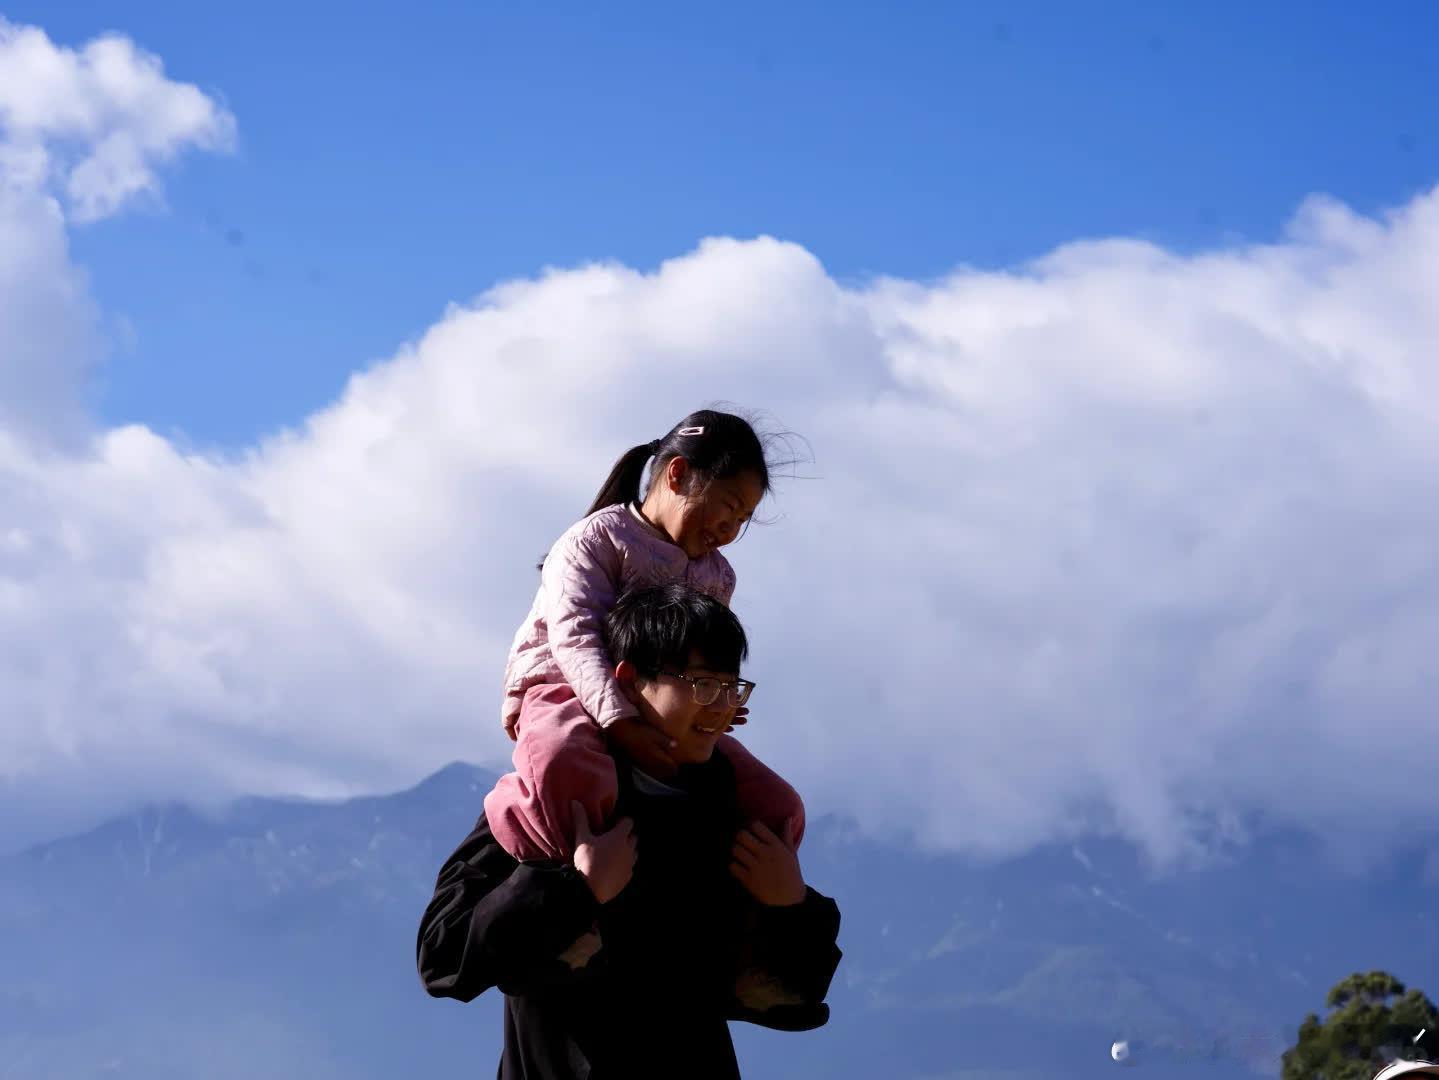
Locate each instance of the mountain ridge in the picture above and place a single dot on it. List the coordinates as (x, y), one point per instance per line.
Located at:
(300, 917)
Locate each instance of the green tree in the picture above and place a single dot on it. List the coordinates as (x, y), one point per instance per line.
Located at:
(1372, 1020)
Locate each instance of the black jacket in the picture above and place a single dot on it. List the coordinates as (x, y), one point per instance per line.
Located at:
(642, 985)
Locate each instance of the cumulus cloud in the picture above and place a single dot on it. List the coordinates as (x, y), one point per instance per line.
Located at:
(1119, 539)
(95, 122)
(48, 341)
(82, 133)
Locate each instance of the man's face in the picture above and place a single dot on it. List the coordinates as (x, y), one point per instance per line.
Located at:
(668, 703)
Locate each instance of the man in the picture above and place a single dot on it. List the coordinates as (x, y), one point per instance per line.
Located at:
(629, 961)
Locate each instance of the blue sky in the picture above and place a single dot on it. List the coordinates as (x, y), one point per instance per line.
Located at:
(392, 159)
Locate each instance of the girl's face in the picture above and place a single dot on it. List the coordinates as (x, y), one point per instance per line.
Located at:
(716, 513)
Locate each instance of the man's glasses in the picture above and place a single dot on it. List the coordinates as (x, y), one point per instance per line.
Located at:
(707, 689)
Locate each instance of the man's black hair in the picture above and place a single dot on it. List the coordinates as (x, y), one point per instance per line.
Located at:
(659, 626)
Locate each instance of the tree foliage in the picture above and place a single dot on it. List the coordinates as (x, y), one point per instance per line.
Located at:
(1372, 1020)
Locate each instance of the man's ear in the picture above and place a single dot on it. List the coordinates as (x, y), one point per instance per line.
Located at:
(626, 674)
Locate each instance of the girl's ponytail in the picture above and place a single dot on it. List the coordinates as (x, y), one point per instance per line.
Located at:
(623, 483)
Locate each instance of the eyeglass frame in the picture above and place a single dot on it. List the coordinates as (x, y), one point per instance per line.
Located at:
(728, 688)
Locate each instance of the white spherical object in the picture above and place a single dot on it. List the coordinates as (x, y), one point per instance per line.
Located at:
(1120, 1052)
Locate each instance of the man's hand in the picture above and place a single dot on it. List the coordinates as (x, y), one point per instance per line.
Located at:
(607, 861)
(740, 718)
(767, 865)
(646, 745)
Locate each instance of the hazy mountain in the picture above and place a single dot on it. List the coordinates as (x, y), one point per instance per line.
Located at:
(278, 941)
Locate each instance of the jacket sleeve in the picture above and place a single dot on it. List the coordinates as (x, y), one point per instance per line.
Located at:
(496, 922)
(790, 957)
(581, 581)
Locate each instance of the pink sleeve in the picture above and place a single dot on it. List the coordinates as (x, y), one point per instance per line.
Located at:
(581, 581)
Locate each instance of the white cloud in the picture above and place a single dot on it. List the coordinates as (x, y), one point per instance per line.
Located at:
(82, 133)
(95, 122)
(47, 336)
(1121, 537)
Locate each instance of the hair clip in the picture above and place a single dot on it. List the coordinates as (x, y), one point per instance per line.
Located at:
(690, 431)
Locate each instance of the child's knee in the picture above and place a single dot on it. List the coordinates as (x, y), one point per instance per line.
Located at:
(781, 800)
(563, 771)
(787, 810)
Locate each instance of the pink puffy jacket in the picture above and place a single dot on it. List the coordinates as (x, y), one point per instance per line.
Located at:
(562, 639)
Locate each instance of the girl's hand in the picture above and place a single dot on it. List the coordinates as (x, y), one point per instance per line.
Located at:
(767, 865)
(741, 717)
(607, 861)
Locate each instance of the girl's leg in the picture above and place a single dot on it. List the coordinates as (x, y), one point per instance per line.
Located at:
(762, 793)
(560, 757)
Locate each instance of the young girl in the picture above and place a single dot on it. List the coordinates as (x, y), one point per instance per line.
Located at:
(709, 474)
